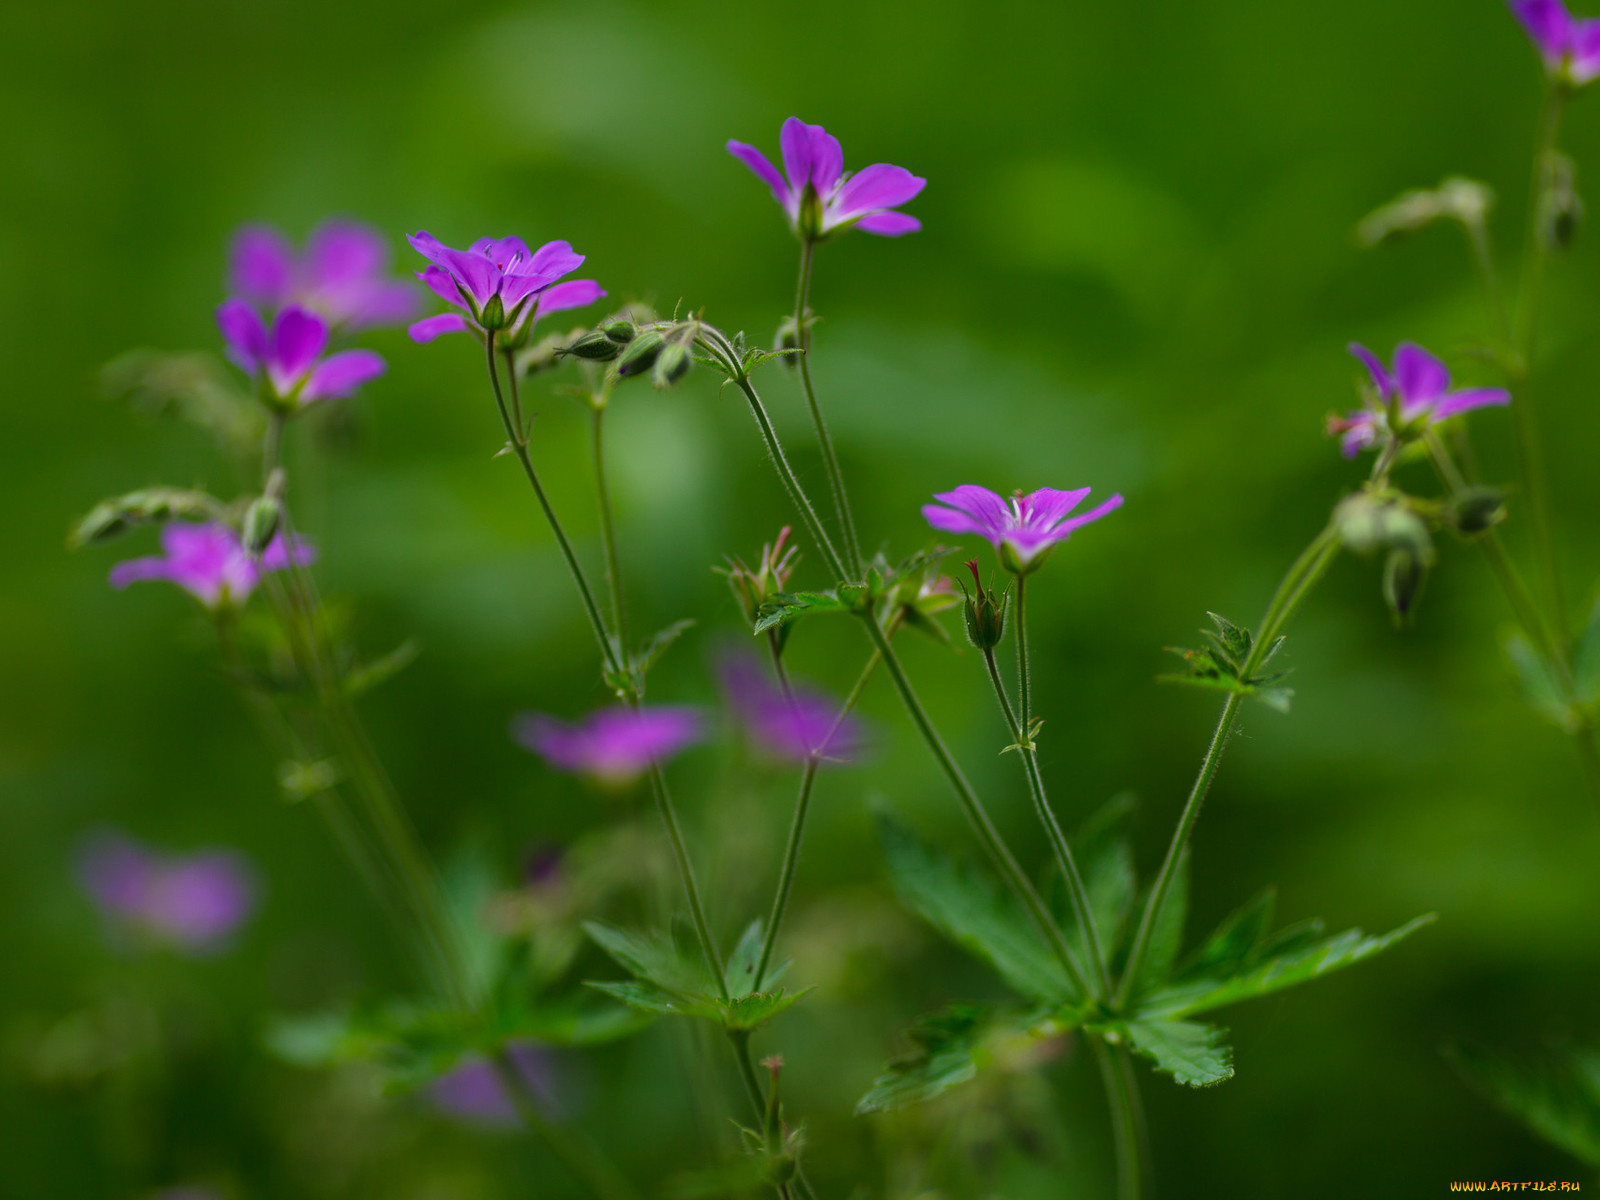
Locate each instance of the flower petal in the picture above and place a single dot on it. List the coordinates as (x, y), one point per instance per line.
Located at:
(298, 337)
(1549, 25)
(574, 293)
(426, 330)
(1043, 508)
(442, 284)
(952, 521)
(986, 507)
(245, 333)
(827, 160)
(276, 556)
(888, 224)
(795, 142)
(343, 373)
(1468, 399)
(476, 275)
(554, 259)
(503, 252)
(430, 247)
(1381, 378)
(137, 570)
(762, 166)
(342, 252)
(1585, 50)
(261, 265)
(1094, 514)
(878, 186)
(1419, 375)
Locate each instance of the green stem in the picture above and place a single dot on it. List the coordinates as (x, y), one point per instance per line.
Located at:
(608, 529)
(519, 447)
(1065, 860)
(1024, 683)
(830, 459)
(791, 852)
(1016, 879)
(1296, 585)
(1525, 416)
(1494, 295)
(586, 1164)
(1128, 1130)
(680, 853)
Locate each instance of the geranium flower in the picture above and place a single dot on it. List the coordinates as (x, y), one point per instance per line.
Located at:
(615, 745)
(499, 283)
(191, 902)
(1021, 529)
(343, 274)
(1419, 387)
(210, 563)
(289, 354)
(783, 726)
(820, 197)
(475, 1094)
(1570, 47)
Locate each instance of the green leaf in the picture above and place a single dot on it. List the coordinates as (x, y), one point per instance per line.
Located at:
(647, 997)
(1166, 937)
(652, 957)
(1557, 1096)
(966, 907)
(1221, 665)
(787, 606)
(574, 1022)
(1108, 877)
(1193, 1054)
(943, 1057)
(1272, 974)
(658, 645)
(756, 1009)
(741, 969)
(366, 676)
(1235, 940)
(1586, 658)
(1539, 686)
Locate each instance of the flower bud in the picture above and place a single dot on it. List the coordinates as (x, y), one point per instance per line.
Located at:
(1560, 206)
(641, 354)
(1368, 521)
(984, 612)
(493, 314)
(594, 346)
(1404, 572)
(808, 218)
(672, 364)
(261, 522)
(620, 330)
(1475, 509)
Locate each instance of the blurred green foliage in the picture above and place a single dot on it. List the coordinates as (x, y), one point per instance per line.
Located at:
(1138, 271)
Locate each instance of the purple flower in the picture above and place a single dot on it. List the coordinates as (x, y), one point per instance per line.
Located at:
(191, 903)
(1418, 388)
(209, 562)
(474, 1092)
(1570, 47)
(342, 275)
(1021, 529)
(820, 197)
(615, 745)
(290, 354)
(500, 283)
(785, 727)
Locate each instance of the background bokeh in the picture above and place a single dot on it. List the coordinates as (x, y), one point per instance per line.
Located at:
(1137, 272)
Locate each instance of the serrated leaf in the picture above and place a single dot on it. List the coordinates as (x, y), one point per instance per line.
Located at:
(742, 963)
(749, 1012)
(966, 907)
(1557, 1096)
(652, 957)
(646, 997)
(659, 644)
(787, 606)
(1273, 974)
(1233, 642)
(1235, 941)
(1192, 1053)
(572, 1022)
(1539, 686)
(943, 1058)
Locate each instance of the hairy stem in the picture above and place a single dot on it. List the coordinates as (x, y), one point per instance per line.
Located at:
(608, 529)
(1128, 1131)
(1296, 585)
(830, 459)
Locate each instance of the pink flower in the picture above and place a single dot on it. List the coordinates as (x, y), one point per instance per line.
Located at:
(343, 274)
(191, 902)
(210, 563)
(615, 745)
(1418, 387)
(289, 354)
(499, 283)
(1023, 528)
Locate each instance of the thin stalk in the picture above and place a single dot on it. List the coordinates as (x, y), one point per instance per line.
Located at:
(608, 529)
(830, 459)
(680, 853)
(586, 1164)
(1128, 1131)
(1534, 624)
(791, 852)
(1525, 416)
(1065, 860)
(1493, 294)
(519, 447)
(1024, 683)
(1296, 585)
(1016, 879)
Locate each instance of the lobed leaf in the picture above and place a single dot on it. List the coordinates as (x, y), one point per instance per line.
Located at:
(945, 1042)
(1557, 1096)
(787, 606)
(1192, 1053)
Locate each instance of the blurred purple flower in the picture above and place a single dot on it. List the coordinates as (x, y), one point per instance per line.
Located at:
(499, 283)
(191, 902)
(343, 274)
(474, 1092)
(615, 745)
(822, 198)
(289, 351)
(1419, 384)
(210, 563)
(782, 726)
(1570, 47)
(1022, 528)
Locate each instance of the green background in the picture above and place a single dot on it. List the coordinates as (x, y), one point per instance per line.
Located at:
(1137, 272)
